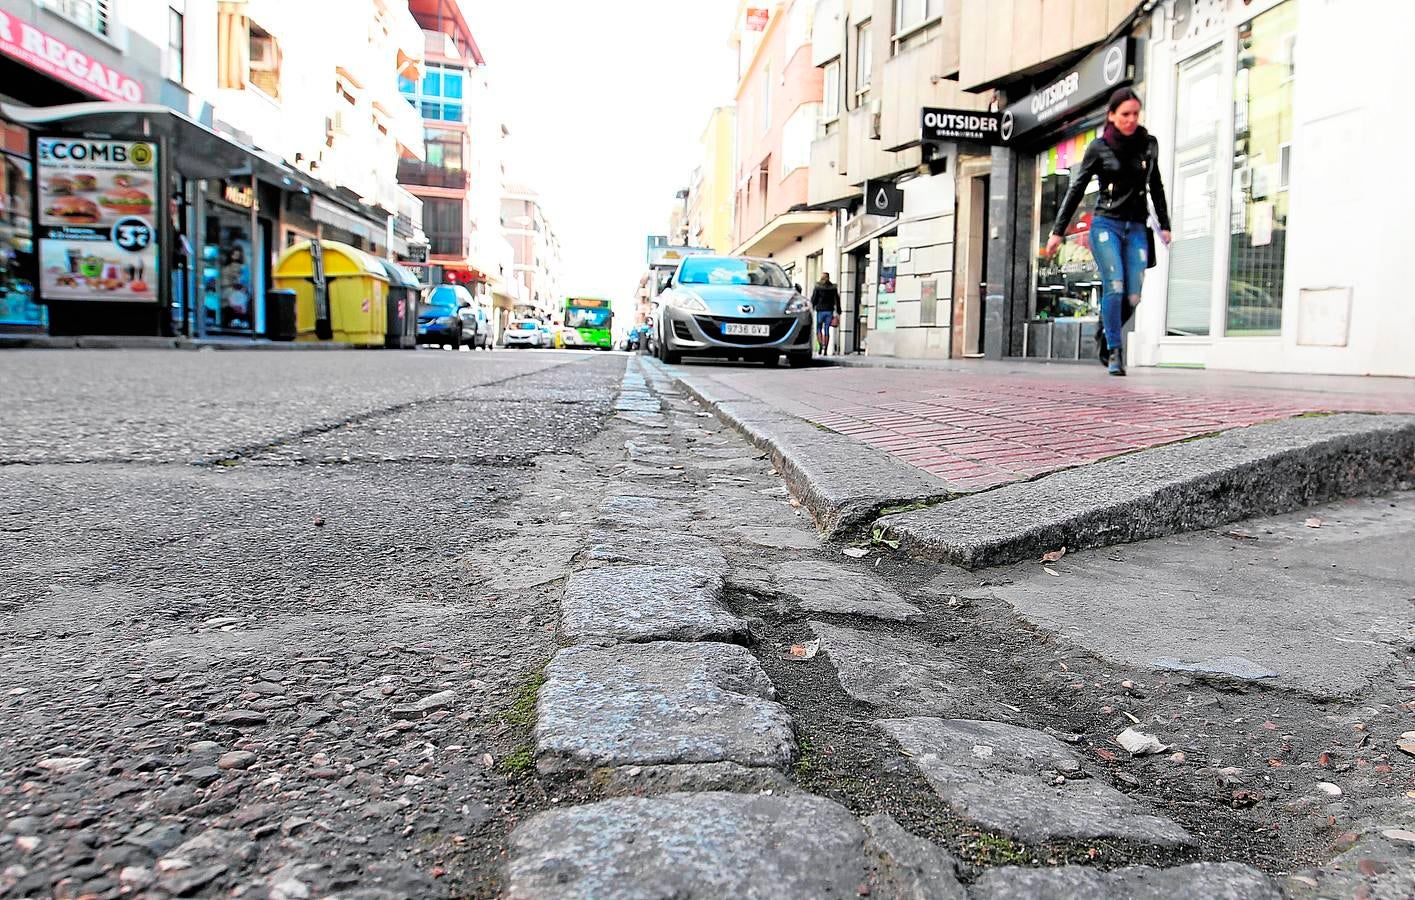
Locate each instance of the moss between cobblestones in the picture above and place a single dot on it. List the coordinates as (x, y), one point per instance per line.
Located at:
(522, 761)
(523, 707)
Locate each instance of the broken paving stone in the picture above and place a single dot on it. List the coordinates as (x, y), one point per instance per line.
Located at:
(659, 703)
(1003, 778)
(641, 781)
(894, 672)
(829, 588)
(654, 549)
(690, 845)
(648, 603)
(780, 538)
(1198, 881)
(645, 513)
(1235, 666)
(914, 868)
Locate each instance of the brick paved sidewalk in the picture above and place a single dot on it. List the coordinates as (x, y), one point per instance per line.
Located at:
(980, 424)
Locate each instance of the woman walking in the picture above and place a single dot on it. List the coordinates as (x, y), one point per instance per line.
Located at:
(1124, 158)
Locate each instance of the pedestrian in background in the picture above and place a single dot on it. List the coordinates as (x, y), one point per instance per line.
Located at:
(825, 299)
(1125, 160)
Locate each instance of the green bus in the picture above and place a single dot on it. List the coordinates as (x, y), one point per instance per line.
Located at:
(589, 322)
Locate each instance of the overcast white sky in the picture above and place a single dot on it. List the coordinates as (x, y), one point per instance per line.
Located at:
(606, 102)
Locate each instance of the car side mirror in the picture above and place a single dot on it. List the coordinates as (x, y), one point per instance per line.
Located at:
(797, 287)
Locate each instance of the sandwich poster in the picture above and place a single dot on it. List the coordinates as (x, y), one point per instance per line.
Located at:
(97, 219)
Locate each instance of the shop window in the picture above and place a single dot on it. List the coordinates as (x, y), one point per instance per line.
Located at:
(1067, 283)
(1262, 132)
(17, 304)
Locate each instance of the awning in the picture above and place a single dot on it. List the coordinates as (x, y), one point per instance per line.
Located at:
(782, 231)
(321, 210)
(196, 150)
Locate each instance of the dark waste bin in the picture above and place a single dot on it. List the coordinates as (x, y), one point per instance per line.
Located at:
(280, 323)
(404, 289)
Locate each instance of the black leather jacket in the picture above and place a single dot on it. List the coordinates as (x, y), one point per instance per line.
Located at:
(1123, 180)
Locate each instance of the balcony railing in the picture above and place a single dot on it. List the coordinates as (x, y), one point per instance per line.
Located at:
(415, 172)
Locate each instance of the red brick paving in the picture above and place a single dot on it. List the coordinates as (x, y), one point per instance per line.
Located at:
(979, 425)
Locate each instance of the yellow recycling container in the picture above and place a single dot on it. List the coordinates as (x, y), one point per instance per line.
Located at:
(357, 289)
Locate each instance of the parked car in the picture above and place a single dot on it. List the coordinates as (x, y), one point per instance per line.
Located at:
(526, 333)
(735, 307)
(440, 319)
(476, 327)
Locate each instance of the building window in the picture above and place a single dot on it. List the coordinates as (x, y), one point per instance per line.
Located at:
(1262, 130)
(864, 59)
(766, 98)
(440, 94)
(264, 61)
(93, 15)
(911, 15)
(442, 221)
(796, 137)
(830, 98)
(444, 149)
(176, 46)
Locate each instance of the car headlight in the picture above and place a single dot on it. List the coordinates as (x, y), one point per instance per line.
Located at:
(691, 302)
(797, 304)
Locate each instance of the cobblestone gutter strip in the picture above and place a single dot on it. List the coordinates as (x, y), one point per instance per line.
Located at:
(1261, 470)
(843, 483)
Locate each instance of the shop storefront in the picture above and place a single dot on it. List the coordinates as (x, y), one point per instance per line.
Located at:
(1273, 267)
(1049, 307)
(38, 68)
(110, 263)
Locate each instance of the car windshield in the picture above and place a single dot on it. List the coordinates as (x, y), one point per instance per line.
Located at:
(586, 318)
(715, 270)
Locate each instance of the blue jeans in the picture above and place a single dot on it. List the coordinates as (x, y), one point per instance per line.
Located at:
(823, 317)
(1121, 250)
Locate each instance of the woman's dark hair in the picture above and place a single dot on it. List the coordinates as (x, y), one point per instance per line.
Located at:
(1122, 95)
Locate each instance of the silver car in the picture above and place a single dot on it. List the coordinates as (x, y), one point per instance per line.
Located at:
(735, 307)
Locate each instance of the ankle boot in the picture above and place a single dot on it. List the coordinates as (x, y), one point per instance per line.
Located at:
(1116, 365)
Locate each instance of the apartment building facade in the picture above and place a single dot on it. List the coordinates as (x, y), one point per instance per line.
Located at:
(536, 252)
(778, 105)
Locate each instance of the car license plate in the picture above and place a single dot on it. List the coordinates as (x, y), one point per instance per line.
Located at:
(739, 329)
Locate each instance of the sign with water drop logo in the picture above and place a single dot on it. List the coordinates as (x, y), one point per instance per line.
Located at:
(883, 198)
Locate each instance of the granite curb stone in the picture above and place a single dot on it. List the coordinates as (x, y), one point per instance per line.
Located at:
(842, 483)
(1197, 881)
(1243, 473)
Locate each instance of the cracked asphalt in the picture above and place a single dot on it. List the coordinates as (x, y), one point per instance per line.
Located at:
(265, 617)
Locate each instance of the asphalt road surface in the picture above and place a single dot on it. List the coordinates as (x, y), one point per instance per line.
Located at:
(266, 616)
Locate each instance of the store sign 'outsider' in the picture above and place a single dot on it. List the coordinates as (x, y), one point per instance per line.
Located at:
(48, 54)
(960, 125)
(1095, 76)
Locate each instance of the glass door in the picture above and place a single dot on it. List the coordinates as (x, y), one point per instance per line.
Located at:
(1194, 212)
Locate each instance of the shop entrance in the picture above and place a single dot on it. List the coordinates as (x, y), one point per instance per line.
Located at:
(233, 277)
(971, 271)
(860, 284)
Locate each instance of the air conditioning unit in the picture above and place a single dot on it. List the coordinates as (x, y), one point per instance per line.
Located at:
(875, 115)
(339, 122)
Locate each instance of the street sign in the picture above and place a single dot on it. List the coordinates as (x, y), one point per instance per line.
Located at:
(883, 198)
(938, 125)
